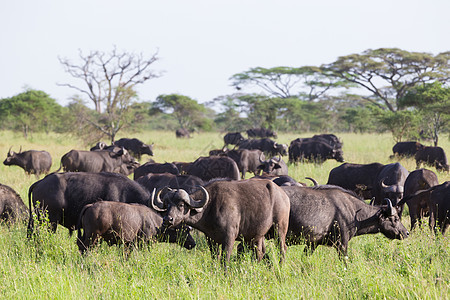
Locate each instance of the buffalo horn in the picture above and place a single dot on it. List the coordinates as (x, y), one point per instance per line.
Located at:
(260, 160)
(276, 159)
(20, 150)
(200, 203)
(389, 204)
(387, 188)
(313, 181)
(157, 204)
(9, 151)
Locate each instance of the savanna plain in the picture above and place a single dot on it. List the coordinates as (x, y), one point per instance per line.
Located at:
(49, 266)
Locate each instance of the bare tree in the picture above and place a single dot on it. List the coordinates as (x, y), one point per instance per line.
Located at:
(109, 80)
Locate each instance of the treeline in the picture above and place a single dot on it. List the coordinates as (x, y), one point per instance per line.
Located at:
(405, 93)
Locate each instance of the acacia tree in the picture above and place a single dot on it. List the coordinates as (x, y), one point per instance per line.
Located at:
(433, 102)
(388, 73)
(109, 81)
(306, 83)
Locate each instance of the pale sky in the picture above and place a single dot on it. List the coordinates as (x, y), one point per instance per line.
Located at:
(201, 43)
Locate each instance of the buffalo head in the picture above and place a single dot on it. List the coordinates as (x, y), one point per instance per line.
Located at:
(147, 149)
(11, 157)
(268, 166)
(390, 224)
(177, 204)
(393, 192)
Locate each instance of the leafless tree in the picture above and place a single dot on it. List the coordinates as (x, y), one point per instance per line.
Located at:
(109, 80)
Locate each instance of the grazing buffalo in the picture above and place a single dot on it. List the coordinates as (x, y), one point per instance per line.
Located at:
(438, 205)
(246, 160)
(233, 138)
(211, 167)
(98, 161)
(182, 133)
(12, 207)
(358, 178)
(151, 167)
(230, 210)
(330, 215)
(266, 145)
(32, 161)
(136, 147)
(117, 222)
(418, 180)
(273, 166)
(406, 149)
(261, 133)
(432, 156)
(329, 139)
(389, 183)
(316, 151)
(189, 183)
(63, 195)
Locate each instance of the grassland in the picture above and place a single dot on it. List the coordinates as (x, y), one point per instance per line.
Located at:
(50, 266)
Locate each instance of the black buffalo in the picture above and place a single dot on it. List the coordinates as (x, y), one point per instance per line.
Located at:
(99, 146)
(273, 166)
(136, 147)
(182, 133)
(230, 210)
(188, 183)
(233, 138)
(432, 156)
(329, 139)
(261, 133)
(389, 183)
(315, 151)
(63, 195)
(152, 167)
(32, 161)
(117, 222)
(438, 205)
(211, 167)
(330, 215)
(98, 161)
(12, 207)
(266, 145)
(358, 178)
(406, 149)
(418, 180)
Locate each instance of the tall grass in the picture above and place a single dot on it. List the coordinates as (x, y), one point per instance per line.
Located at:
(50, 266)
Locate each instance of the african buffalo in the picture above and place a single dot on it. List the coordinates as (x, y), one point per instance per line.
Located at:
(261, 133)
(63, 195)
(117, 222)
(329, 139)
(32, 161)
(418, 180)
(99, 146)
(233, 138)
(189, 183)
(98, 161)
(246, 160)
(438, 205)
(283, 180)
(266, 145)
(330, 215)
(389, 183)
(358, 178)
(315, 151)
(406, 149)
(211, 167)
(12, 207)
(136, 147)
(230, 210)
(432, 156)
(273, 166)
(150, 167)
(182, 133)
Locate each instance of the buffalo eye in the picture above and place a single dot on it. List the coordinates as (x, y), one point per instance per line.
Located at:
(181, 205)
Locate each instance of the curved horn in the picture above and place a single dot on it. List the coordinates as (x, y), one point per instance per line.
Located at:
(276, 159)
(9, 151)
(260, 160)
(389, 204)
(313, 180)
(158, 204)
(200, 203)
(387, 188)
(20, 150)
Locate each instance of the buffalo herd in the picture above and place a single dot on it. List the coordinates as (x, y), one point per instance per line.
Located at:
(95, 196)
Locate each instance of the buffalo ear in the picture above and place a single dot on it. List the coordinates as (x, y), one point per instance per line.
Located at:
(277, 166)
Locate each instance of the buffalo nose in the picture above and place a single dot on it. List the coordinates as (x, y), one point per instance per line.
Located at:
(168, 220)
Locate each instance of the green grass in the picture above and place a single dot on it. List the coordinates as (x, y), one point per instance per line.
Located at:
(50, 266)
